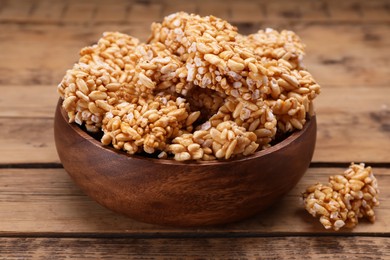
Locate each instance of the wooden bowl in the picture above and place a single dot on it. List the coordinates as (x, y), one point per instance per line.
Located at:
(168, 192)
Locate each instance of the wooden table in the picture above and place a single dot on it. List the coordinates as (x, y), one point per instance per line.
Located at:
(44, 215)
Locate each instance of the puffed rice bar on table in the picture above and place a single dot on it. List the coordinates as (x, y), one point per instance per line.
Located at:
(345, 199)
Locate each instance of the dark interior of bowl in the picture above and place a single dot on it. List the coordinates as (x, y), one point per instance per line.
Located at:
(279, 137)
(98, 135)
(173, 193)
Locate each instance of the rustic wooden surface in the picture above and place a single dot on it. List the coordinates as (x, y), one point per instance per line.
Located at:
(43, 215)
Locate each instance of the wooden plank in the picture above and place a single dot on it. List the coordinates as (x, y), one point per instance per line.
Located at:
(197, 248)
(352, 125)
(177, 6)
(16, 10)
(317, 11)
(44, 54)
(112, 11)
(346, 10)
(359, 11)
(247, 12)
(28, 102)
(27, 141)
(347, 55)
(45, 201)
(145, 13)
(376, 11)
(218, 9)
(297, 11)
(46, 11)
(80, 11)
(100, 11)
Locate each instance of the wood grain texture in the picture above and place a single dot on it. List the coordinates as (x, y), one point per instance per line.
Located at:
(353, 125)
(332, 63)
(207, 248)
(28, 140)
(21, 102)
(73, 11)
(47, 202)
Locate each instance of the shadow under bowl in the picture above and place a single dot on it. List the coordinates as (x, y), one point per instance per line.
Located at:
(182, 194)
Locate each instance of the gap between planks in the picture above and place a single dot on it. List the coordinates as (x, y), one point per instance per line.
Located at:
(190, 235)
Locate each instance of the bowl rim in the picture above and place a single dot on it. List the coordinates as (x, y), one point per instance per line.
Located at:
(294, 136)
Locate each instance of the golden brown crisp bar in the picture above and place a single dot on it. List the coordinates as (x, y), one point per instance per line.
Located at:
(97, 81)
(266, 65)
(147, 125)
(224, 141)
(346, 198)
(271, 44)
